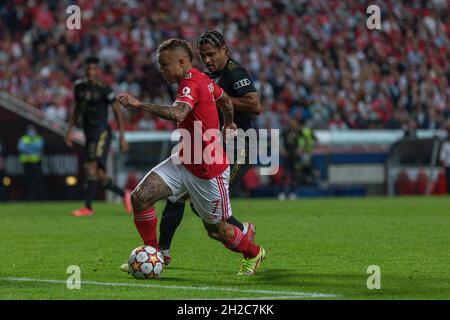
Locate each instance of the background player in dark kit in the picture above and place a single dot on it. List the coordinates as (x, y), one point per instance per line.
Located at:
(237, 83)
(92, 99)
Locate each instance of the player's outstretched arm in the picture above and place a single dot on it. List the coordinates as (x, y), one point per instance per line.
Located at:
(249, 103)
(72, 121)
(178, 112)
(120, 124)
(226, 106)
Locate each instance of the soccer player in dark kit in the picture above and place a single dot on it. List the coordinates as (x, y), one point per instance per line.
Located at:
(237, 83)
(92, 100)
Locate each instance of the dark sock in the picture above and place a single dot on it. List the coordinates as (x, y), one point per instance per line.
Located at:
(109, 185)
(235, 222)
(90, 189)
(170, 220)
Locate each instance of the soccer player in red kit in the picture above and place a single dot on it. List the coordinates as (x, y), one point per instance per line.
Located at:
(202, 174)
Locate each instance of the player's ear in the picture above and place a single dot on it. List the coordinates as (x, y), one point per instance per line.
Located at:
(181, 61)
(225, 49)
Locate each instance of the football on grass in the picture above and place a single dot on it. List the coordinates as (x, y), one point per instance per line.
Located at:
(146, 262)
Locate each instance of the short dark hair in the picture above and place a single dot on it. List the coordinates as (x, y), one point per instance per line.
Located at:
(92, 59)
(177, 44)
(213, 37)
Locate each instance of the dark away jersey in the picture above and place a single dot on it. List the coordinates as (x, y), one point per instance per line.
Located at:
(236, 82)
(94, 100)
(290, 139)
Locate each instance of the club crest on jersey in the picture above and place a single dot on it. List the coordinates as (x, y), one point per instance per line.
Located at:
(241, 83)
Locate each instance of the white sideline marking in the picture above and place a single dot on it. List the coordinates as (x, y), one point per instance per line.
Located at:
(278, 294)
(255, 298)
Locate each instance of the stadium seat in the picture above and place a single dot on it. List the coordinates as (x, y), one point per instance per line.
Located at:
(403, 184)
(421, 182)
(441, 184)
(132, 181)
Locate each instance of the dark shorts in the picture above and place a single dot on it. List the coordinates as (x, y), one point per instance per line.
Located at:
(292, 164)
(237, 171)
(97, 147)
(239, 168)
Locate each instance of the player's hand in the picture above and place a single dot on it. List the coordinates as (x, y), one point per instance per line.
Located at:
(229, 131)
(68, 139)
(123, 145)
(127, 100)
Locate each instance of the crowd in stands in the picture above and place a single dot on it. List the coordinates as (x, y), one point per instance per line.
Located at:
(315, 60)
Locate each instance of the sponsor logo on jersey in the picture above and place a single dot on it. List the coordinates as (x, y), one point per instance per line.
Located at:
(241, 83)
(186, 93)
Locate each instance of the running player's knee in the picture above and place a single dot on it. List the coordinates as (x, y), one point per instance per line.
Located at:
(103, 180)
(143, 197)
(102, 176)
(91, 169)
(140, 200)
(151, 189)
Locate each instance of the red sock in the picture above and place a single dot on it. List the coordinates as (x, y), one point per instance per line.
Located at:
(145, 222)
(240, 243)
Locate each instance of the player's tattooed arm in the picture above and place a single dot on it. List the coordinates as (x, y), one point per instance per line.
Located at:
(178, 112)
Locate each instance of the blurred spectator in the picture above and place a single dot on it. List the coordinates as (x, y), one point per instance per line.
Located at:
(317, 55)
(56, 111)
(30, 147)
(444, 156)
(411, 129)
(336, 123)
(291, 159)
(307, 142)
(146, 123)
(130, 86)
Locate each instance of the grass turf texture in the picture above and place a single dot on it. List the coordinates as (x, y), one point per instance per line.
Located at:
(314, 246)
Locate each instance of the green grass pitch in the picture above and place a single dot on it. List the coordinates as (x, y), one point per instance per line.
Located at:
(317, 249)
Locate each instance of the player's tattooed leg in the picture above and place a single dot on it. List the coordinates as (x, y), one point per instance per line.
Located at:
(151, 189)
(222, 231)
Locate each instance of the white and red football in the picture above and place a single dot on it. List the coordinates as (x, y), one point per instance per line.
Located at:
(145, 262)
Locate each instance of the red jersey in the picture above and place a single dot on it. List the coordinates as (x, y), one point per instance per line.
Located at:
(203, 155)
